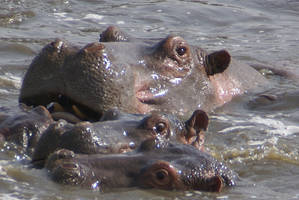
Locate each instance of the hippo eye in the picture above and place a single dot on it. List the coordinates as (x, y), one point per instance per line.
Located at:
(161, 174)
(162, 177)
(160, 127)
(181, 50)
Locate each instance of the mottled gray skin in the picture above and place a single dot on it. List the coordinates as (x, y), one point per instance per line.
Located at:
(25, 127)
(119, 133)
(137, 77)
(173, 167)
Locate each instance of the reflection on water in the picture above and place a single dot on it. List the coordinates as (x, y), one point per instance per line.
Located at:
(258, 139)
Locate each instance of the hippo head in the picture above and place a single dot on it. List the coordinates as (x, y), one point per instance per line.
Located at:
(120, 133)
(139, 77)
(171, 167)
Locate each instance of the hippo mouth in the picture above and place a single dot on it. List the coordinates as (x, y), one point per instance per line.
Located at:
(63, 107)
(146, 96)
(150, 95)
(71, 111)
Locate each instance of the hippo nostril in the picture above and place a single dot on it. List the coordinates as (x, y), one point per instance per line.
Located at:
(181, 50)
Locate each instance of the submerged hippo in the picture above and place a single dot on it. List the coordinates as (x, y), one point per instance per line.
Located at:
(25, 127)
(173, 167)
(134, 76)
(119, 133)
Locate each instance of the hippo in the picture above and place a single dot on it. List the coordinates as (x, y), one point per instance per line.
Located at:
(25, 127)
(172, 167)
(135, 76)
(119, 132)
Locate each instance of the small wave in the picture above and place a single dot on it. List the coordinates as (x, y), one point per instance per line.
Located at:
(275, 126)
(9, 80)
(259, 152)
(93, 17)
(15, 17)
(62, 16)
(271, 124)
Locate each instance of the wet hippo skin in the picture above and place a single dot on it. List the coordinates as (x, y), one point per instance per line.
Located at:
(81, 85)
(172, 167)
(135, 76)
(26, 127)
(120, 132)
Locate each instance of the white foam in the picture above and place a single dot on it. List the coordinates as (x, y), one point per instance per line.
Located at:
(61, 15)
(120, 22)
(275, 126)
(270, 124)
(232, 128)
(10, 196)
(93, 17)
(70, 19)
(272, 140)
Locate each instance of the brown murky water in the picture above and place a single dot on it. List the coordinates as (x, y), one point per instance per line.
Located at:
(259, 141)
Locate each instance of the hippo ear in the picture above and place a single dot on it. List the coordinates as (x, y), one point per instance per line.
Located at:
(113, 34)
(217, 62)
(198, 121)
(194, 129)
